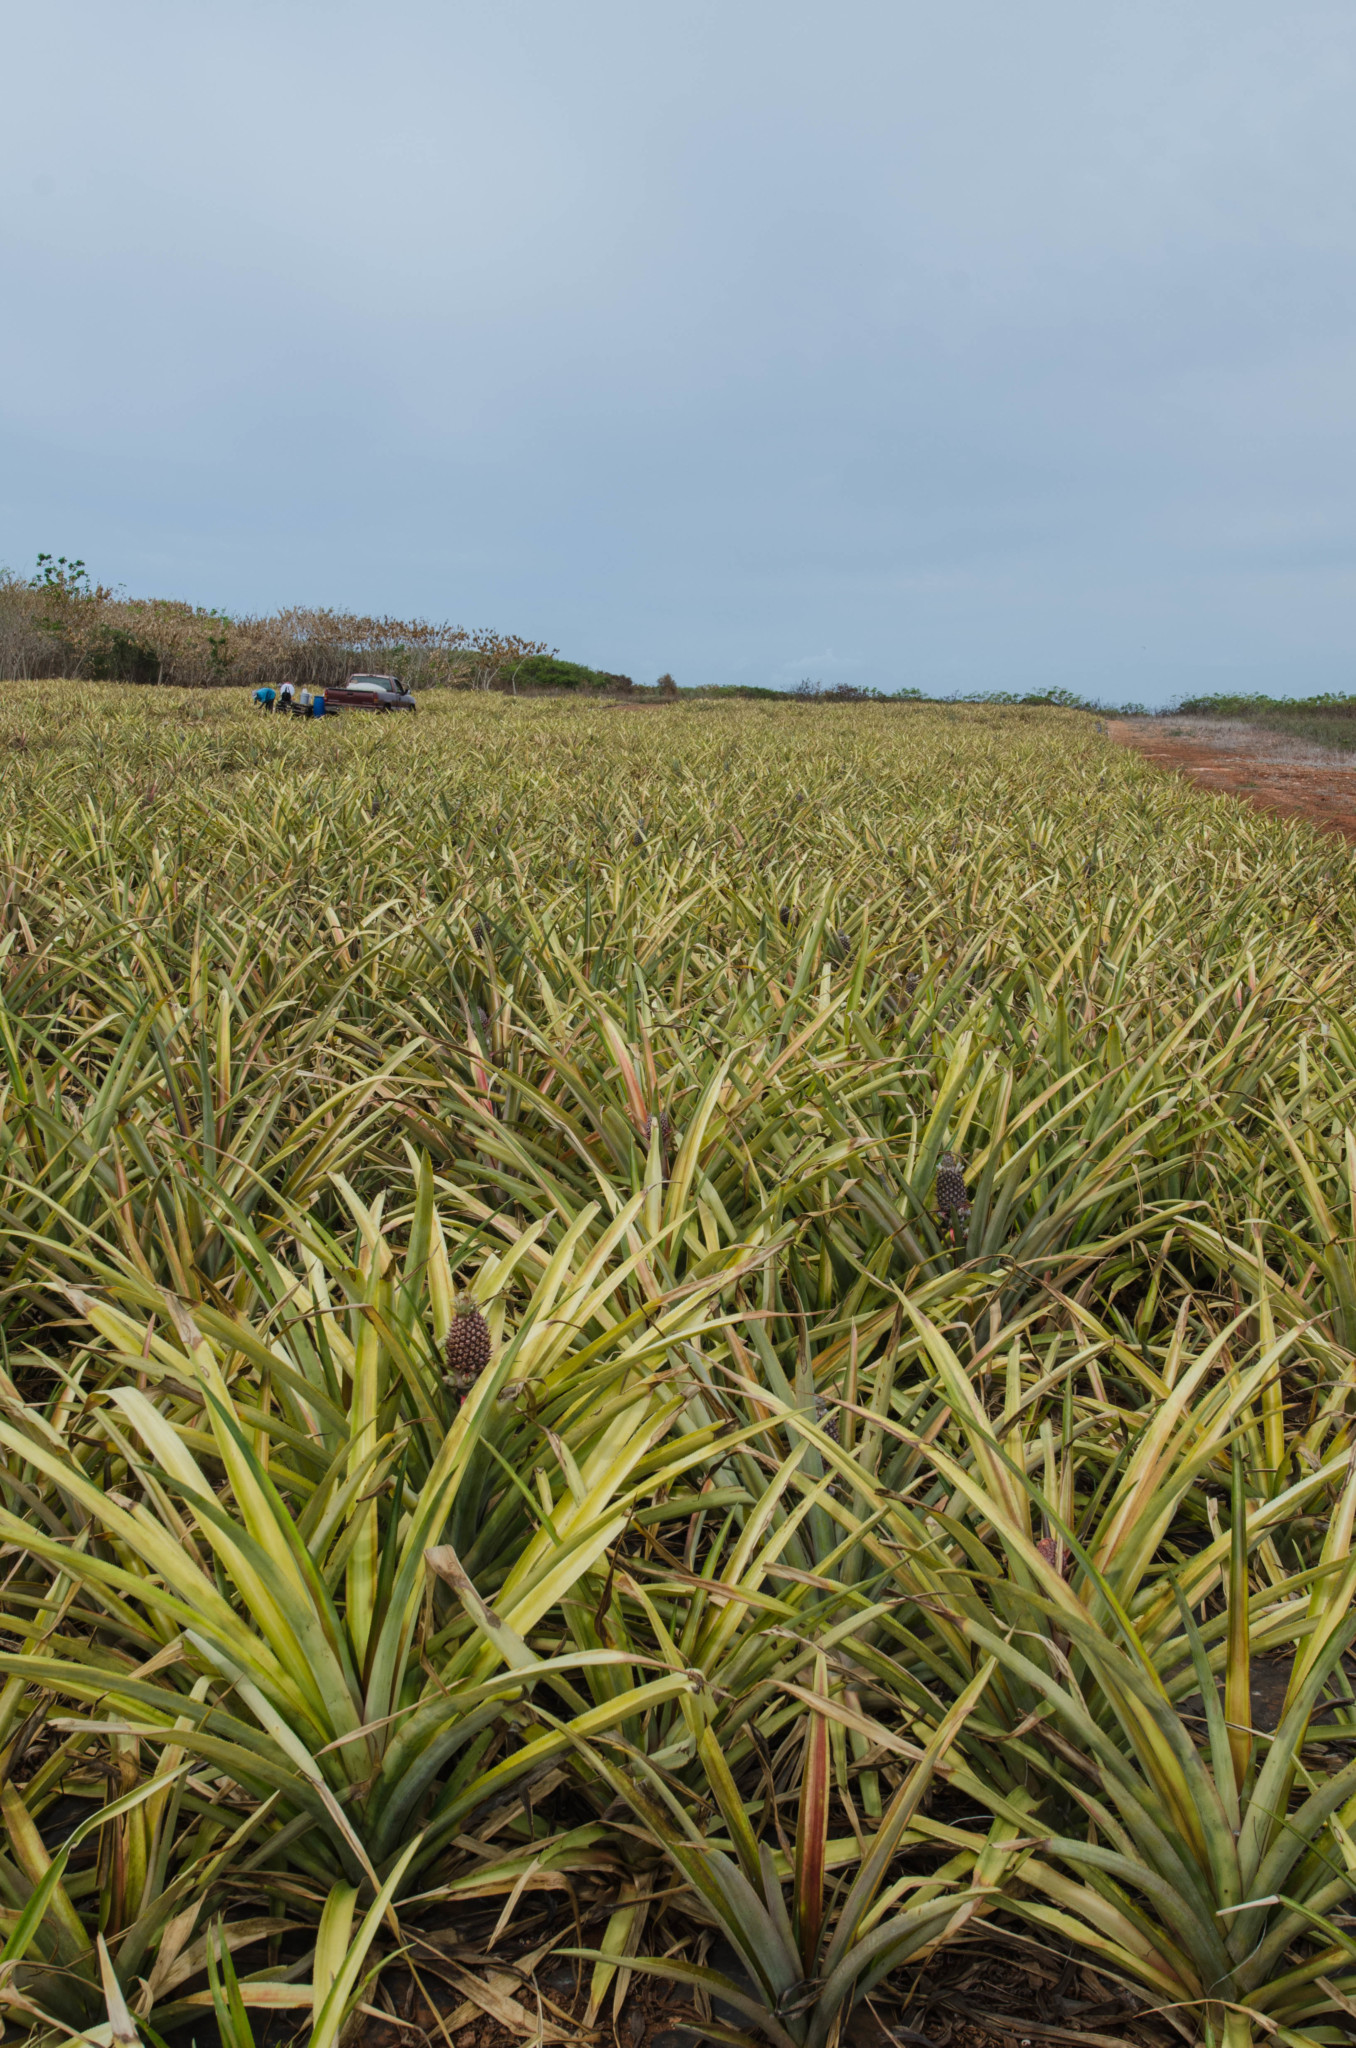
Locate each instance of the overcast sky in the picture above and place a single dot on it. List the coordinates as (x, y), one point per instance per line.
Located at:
(963, 345)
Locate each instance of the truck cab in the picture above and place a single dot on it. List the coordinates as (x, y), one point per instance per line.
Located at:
(369, 693)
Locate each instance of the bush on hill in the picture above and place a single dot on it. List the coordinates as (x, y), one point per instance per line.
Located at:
(549, 672)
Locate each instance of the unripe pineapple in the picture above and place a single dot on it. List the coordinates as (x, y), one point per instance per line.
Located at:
(952, 1195)
(665, 1130)
(467, 1351)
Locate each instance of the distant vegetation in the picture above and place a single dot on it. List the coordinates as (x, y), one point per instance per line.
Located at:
(59, 622)
(1045, 700)
(1330, 720)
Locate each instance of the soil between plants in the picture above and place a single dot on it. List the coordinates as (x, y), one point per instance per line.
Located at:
(982, 1993)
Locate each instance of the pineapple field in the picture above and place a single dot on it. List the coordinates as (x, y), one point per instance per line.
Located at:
(703, 1353)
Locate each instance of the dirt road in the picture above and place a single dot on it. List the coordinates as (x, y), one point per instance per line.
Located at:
(1292, 778)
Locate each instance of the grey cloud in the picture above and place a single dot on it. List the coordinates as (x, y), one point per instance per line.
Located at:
(982, 346)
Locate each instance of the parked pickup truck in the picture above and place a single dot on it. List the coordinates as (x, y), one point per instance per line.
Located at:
(369, 693)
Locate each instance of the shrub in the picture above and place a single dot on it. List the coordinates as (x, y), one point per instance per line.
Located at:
(548, 672)
(1328, 719)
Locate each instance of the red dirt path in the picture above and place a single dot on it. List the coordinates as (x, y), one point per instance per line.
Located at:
(1287, 777)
